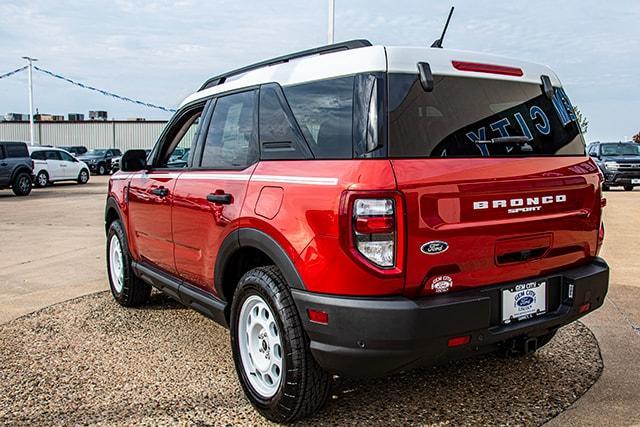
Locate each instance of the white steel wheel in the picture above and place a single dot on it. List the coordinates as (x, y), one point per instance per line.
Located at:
(260, 346)
(116, 264)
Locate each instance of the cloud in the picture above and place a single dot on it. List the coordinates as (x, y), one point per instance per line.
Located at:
(160, 51)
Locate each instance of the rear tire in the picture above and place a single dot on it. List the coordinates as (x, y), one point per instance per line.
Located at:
(271, 352)
(628, 188)
(42, 179)
(21, 185)
(83, 177)
(127, 289)
(102, 169)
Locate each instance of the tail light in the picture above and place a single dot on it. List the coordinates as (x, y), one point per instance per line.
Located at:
(374, 230)
(371, 229)
(600, 237)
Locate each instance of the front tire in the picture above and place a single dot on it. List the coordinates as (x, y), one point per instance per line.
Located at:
(42, 179)
(102, 169)
(21, 185)
(126, 288)
(83, 177)
(628, 188)
(271, 352)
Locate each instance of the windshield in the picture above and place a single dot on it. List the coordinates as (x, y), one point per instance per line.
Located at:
(462, 115)
(620, 149)
(96, 152)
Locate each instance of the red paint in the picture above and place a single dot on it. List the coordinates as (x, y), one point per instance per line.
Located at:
(314, 223)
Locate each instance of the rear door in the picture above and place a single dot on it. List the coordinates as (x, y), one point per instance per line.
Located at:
(55, 166)
(5, 168)
(151, 193)
(71, 166)
(483, 210)
(209, 196)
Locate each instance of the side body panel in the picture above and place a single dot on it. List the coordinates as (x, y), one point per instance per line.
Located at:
(200, 226)
(305, 220)
(150, 217)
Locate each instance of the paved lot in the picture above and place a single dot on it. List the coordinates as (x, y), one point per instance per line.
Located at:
(52, 249)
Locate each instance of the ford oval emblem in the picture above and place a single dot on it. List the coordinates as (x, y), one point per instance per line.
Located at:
(434, 247)
(525, 301)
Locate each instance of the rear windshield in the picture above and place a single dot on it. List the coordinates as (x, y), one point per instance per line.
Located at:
(620, 149)
(461, 116)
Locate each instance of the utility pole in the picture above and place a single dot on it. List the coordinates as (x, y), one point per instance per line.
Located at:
(332, 20)
(31, 61)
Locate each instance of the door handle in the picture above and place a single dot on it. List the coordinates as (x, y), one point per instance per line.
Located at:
(223, 198)
(160, 192)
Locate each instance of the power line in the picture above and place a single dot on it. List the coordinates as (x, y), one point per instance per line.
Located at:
(10, 73)
(84, 86)
(103, 92)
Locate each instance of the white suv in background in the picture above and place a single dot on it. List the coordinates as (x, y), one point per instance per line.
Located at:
(53, 165)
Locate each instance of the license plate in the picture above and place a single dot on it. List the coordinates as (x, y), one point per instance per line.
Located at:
(524, 301)
(635, 180)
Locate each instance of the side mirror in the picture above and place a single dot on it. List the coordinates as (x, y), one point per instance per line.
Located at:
(133, 161)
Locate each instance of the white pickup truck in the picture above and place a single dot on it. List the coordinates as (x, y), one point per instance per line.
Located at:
(53, 165)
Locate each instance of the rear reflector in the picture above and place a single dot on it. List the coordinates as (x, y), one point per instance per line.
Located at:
(318, 316)
(458, 341)
(375, 224)
(585, 307)
(487, 68)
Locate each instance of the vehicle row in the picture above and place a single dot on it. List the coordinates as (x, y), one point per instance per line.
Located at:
(619, 163)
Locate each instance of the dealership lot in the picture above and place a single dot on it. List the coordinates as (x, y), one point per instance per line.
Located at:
(52, 250)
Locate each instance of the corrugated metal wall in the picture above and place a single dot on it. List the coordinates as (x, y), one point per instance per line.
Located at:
(123, 135)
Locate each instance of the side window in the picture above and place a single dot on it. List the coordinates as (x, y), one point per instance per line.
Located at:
(230, 140)
(66, 157)
(1, 151)
(593, 151)
(183, 135)
(324, 111)
(37, 155)
(52, 155)
(279, 137)
(17, 150)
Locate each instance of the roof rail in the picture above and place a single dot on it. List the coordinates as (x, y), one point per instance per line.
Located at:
(351, 44)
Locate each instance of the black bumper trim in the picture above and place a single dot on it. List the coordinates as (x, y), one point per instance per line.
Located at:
(370, 336)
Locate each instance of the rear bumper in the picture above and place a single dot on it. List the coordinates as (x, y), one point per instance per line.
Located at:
(369, 337)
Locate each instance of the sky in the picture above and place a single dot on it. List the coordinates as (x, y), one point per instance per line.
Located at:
(161, 51)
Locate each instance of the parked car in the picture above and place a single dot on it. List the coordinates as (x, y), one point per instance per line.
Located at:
(16, 167)
(115, 162)
(364, 210)
(54, 164)
(75, 150)
(99, 159)
(619, 163)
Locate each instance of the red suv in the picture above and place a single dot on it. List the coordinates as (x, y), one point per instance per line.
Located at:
(359, 210)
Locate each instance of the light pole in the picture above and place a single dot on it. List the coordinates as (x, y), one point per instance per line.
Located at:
(332, 19)
(31, 61)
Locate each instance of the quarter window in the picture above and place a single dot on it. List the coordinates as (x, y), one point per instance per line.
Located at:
(324, 111)
(16, 150)
(229, 142)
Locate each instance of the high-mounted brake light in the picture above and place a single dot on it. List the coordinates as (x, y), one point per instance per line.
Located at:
(487, 68)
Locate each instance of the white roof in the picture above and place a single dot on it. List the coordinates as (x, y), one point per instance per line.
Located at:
(376, 59)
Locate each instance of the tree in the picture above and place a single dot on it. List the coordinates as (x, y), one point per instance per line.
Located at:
(636, 138)
(582, 120)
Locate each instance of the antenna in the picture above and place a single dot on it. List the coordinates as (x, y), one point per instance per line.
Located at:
(438, 42)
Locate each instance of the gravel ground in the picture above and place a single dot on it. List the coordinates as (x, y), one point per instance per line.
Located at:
(89, 361)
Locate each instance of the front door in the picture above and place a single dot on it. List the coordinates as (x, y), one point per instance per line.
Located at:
(208, 197)
(151, 194)
(71, 166)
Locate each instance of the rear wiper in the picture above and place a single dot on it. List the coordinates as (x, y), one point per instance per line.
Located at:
(505, 140)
